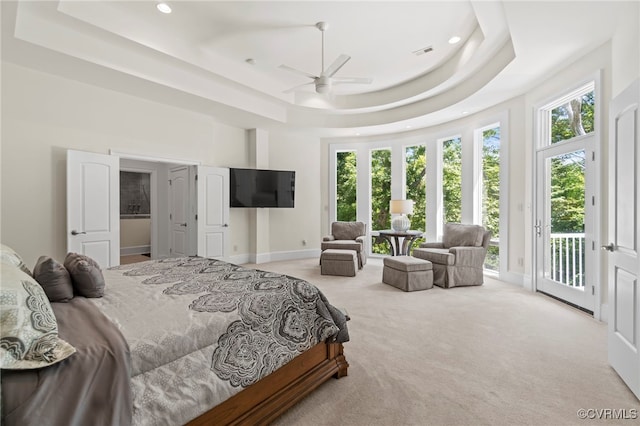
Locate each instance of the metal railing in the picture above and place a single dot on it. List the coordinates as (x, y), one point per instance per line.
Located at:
(567, 259)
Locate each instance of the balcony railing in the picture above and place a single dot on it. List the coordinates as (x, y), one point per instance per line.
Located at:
(567, 259)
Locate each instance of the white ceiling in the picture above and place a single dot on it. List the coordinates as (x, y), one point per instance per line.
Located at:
(200, 50)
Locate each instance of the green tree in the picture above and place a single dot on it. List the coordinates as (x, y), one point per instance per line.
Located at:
(416, 167)
(567, 193)
(572, 119)
(346, 184)
(491, 192)
(452, 180)
(380, 195)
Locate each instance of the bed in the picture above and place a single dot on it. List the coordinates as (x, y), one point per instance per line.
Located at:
(186, 340)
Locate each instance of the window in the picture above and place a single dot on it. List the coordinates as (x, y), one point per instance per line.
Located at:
(415, 186)
(346, 186)
(452, 180)
(491, 193)
(380, 196)
(572, 115)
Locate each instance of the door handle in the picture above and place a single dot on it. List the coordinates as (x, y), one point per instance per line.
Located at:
(183, 224)
(74, 232)
(611, 247)
(225, 225)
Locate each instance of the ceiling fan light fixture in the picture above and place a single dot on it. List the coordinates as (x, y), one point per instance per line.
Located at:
(323, 85)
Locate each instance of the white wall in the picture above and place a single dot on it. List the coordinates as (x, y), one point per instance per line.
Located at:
(625, 49)
(298, 151)
(44, 115)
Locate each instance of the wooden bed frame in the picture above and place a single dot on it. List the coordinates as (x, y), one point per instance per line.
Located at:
(264, 401)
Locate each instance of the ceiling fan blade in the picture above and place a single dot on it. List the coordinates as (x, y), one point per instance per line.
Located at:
(355, 80)
(294, 88)
(304, 73)
(336, 65)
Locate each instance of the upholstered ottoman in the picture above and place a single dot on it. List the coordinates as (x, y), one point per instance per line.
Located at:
(407, 273)
(339, 262)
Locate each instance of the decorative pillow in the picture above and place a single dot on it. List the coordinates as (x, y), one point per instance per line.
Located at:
(347, 230)
(86, 275)
(7, 254)
(460, 235)
(54, 279)
(29, 332)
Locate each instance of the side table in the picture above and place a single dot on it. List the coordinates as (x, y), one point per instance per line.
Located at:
(396, 247)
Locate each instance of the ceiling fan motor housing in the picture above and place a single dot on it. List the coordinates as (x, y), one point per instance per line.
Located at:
(323, 84)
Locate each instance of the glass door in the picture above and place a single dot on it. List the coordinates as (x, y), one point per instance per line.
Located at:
(562, 227)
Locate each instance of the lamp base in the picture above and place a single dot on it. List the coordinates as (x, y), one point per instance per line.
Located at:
(400, 223)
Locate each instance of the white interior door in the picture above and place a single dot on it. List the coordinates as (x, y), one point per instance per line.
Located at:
(213, 212)
(623, 269)
(179, 212)
(93, 206)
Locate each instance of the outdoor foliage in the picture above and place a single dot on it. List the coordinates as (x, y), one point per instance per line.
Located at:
(380, 195)
(346, 186)
(416, 167)
(452, 180)
(567, 174)
(491, 192)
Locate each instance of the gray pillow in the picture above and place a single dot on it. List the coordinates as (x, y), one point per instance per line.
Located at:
(86, 275)
(54, 279)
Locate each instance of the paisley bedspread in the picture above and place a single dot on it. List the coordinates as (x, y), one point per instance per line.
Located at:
(200, 330)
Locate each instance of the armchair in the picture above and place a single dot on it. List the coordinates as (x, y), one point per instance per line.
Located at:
(347, 236)
(459, 259)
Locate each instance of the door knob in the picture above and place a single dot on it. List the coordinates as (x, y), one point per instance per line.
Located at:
(74, 232)
(183, 224)
(609, 247)
(225, 225)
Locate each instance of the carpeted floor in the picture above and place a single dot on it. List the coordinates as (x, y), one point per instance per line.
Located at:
(489, 355)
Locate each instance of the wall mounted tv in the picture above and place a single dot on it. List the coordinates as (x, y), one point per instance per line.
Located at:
(261, 188)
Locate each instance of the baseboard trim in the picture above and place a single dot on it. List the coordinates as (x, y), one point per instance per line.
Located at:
(277, 256)
(296, 254)
(512, 278)
(604, 313)
(128, 251)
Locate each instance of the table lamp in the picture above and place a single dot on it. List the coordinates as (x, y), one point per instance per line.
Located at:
(401, 223)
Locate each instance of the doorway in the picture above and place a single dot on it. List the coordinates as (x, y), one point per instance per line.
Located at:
(565, 201)
(152, 179)
(135, 215)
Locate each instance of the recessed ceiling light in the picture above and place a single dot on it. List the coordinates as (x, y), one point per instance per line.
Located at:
(163, 7)
(408, 127)
(454, 40)
(465, 112)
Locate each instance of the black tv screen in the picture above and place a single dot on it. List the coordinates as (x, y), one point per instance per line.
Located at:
(261, 188)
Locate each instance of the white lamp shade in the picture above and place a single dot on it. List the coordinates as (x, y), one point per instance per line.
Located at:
(401, 206)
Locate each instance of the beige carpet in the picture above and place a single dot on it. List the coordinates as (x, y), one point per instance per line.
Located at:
(490, 355)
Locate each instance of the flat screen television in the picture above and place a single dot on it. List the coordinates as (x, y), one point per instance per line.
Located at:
(261, 188)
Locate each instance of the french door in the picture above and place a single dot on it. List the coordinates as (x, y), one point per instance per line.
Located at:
(564, 221)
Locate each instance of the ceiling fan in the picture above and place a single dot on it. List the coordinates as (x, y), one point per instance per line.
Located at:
(326, 79)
